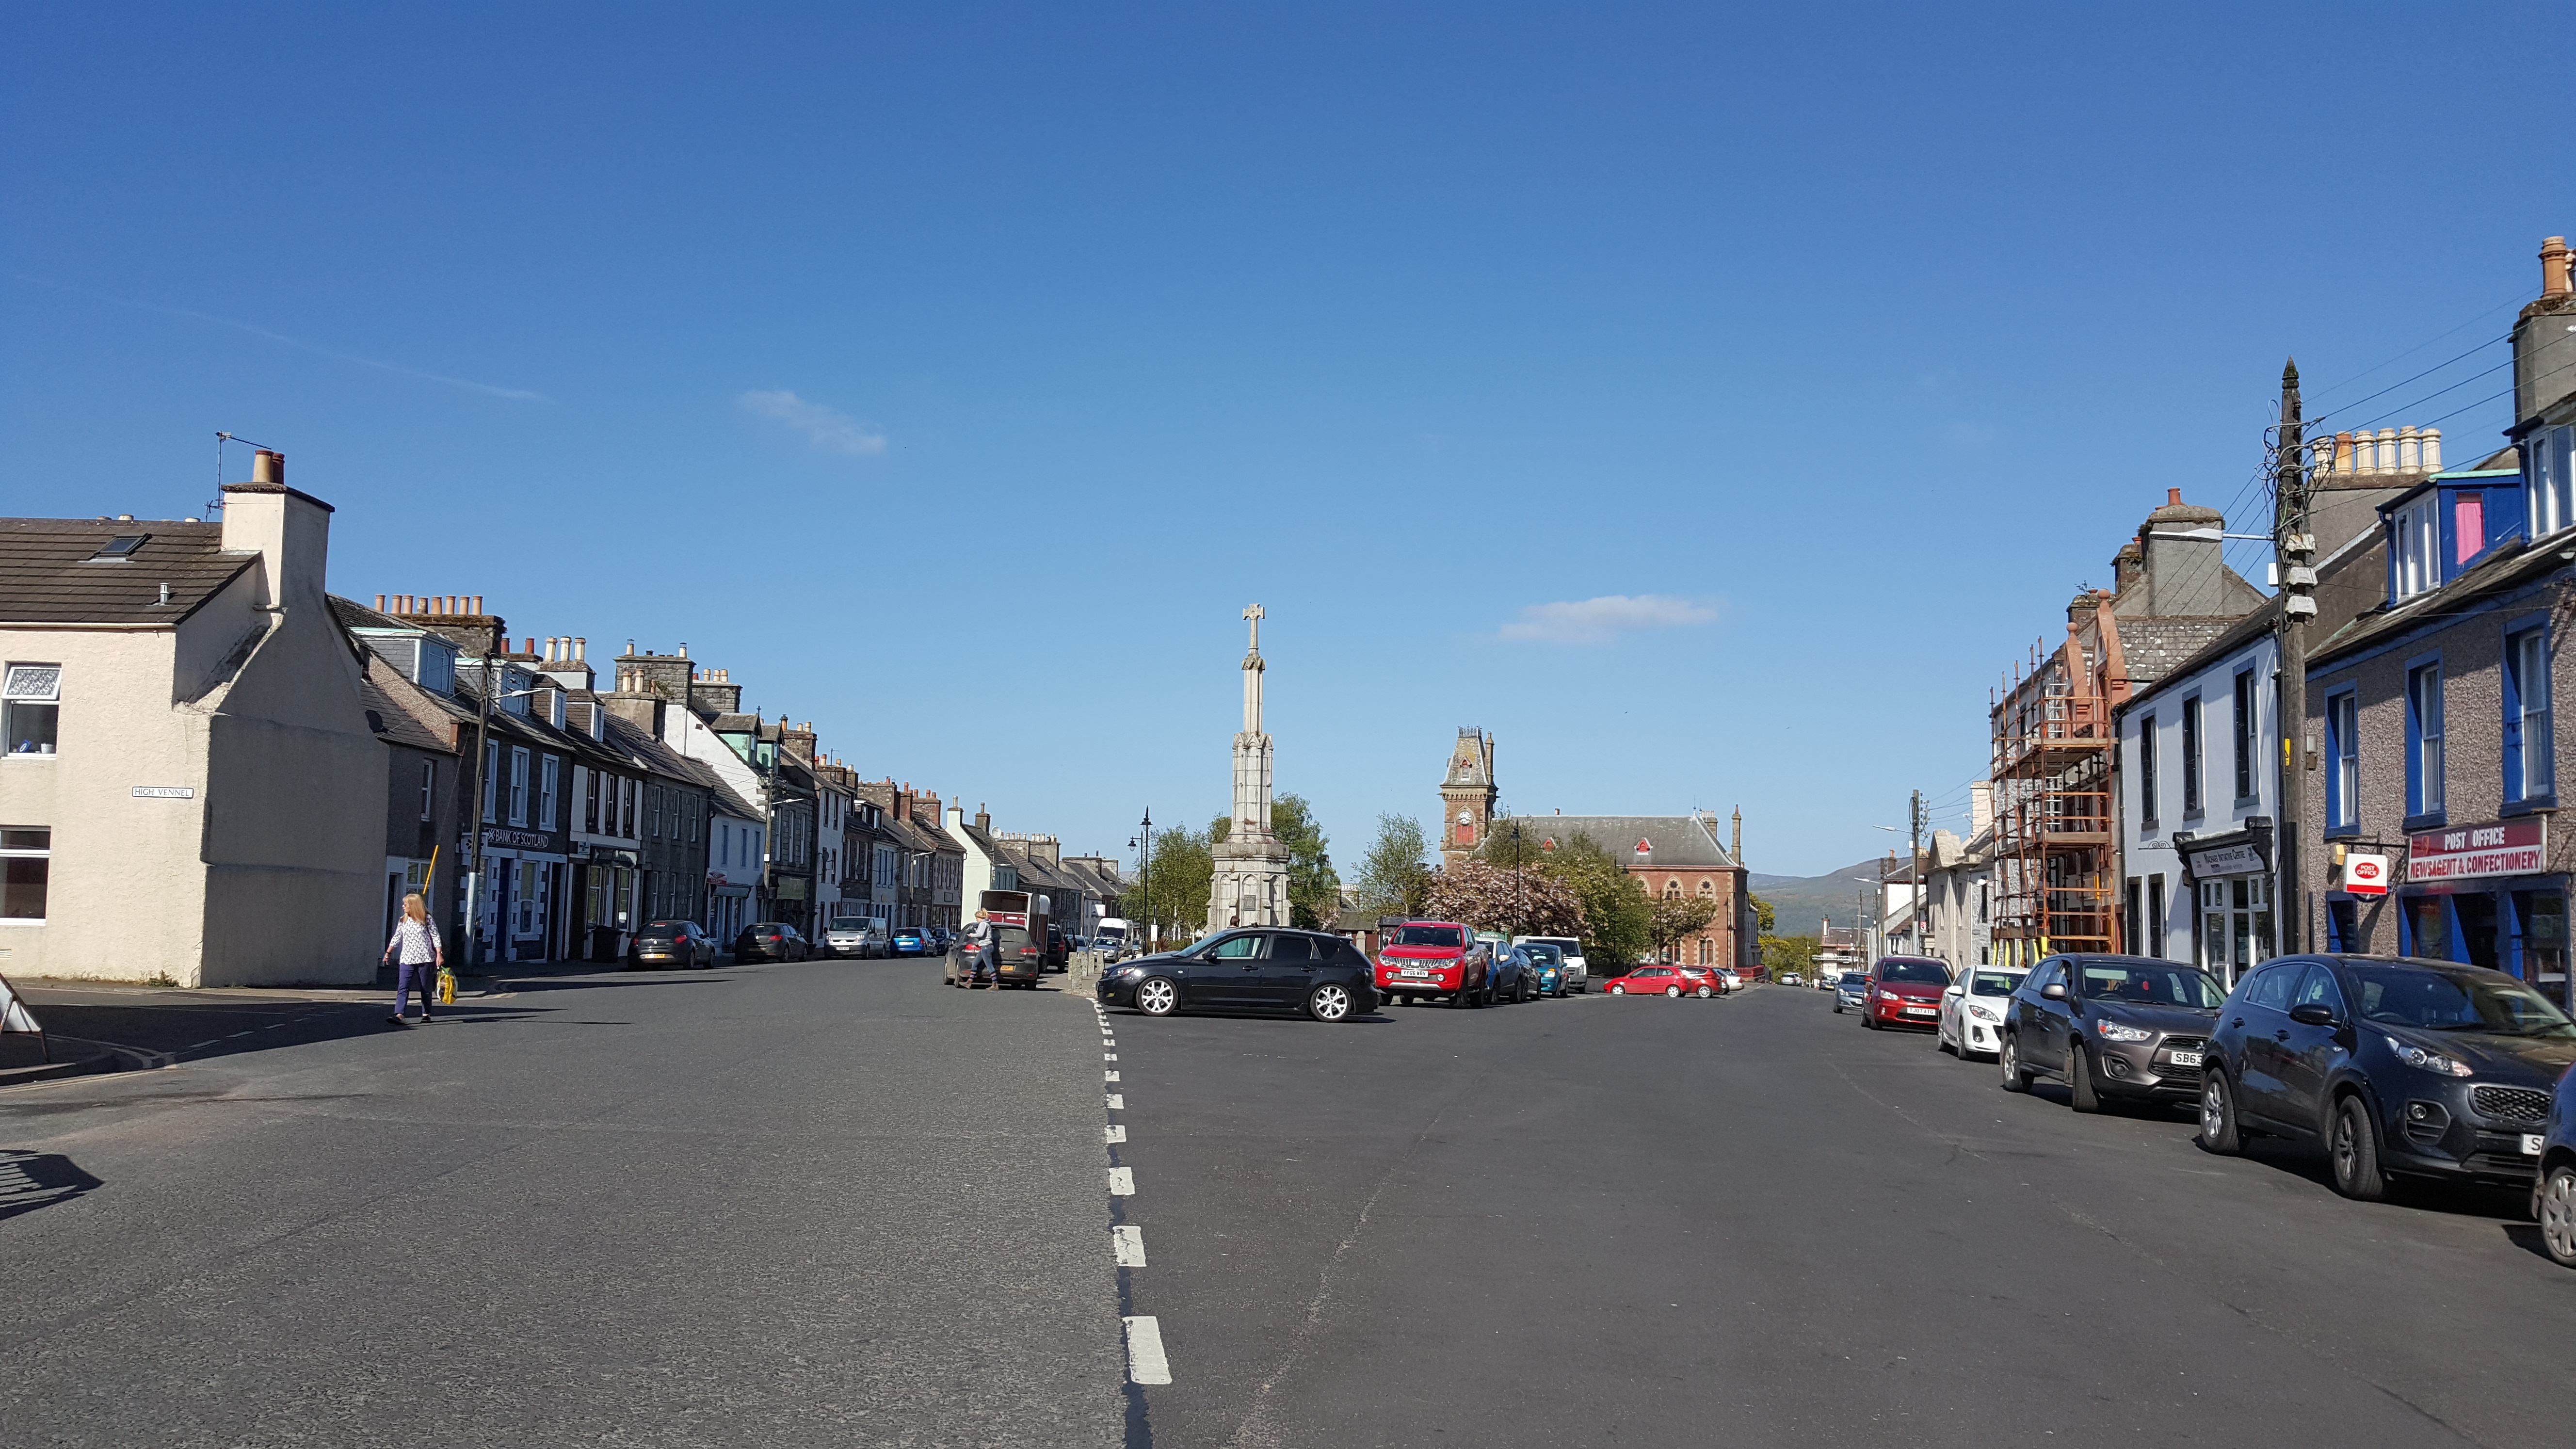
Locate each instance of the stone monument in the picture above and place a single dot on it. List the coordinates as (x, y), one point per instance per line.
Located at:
(1251, 884)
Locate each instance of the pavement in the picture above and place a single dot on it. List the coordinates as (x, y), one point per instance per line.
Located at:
(826, 1202)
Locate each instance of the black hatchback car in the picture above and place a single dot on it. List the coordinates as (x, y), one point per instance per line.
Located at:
(672, 943)
(1323, 976)
(2111, 1027)
(2401, 1067)
(771, 941)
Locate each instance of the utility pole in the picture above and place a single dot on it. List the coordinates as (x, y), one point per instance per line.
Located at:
(1145, 871)
(2294, 551)
(1922, 890)
(492, 678)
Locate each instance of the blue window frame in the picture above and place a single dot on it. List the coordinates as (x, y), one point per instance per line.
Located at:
(2424, 744)
(2529, 779)
(2343, 761)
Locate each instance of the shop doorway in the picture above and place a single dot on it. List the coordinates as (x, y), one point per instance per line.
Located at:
(2543, 918)
(2235, 925)
(2477, 917)
(2428, 920)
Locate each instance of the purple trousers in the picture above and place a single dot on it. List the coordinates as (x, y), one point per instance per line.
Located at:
(425, 975)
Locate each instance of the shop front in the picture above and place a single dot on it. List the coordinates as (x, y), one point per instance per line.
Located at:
(2479, 894)
(603, 897)
(2230, 880)
(728, 907)
(523, 875)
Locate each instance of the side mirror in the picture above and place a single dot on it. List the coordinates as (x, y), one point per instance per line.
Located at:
(2312, 1013)
(2054, 991)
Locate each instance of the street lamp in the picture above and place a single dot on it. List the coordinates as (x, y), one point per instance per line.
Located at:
(1143, 845)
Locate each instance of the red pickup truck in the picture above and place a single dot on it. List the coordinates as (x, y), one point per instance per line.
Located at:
(1420, 960)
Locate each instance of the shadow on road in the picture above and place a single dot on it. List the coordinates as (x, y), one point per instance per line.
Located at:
(32, 1180)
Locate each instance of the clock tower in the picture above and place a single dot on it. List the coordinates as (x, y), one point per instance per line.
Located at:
(1467, 795)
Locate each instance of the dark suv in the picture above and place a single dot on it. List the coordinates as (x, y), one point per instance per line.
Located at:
(2130, 1027)
(2402, 1067)
(1323, 976)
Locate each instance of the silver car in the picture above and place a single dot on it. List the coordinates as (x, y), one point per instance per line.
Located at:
(860, 936)
(1850, 991)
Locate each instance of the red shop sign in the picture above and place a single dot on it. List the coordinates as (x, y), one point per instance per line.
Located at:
(2475, 851)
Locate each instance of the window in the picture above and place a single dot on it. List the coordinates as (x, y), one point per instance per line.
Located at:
(2191, 755)
(2156, 915)
(1707, 887)
(2527, 742)
(2415, 548)
(518, 786)
(491, 779)
(2468, 526)
(2343, 747)
(2245, 746)
(653, 810)
(2424, 740)
(26, 863)
(2147, 771)
(429, 789)
(2550, 492)
(548, 773)
(33, 693)
(590, 800)
(1982, 888)
(626, 808)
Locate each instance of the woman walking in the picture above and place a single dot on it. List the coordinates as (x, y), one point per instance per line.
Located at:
(416, 942)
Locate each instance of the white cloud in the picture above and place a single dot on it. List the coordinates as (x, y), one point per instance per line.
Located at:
(826, 429)
(1595, 621)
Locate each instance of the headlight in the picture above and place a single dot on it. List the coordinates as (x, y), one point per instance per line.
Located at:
(1983, 1013)
(2113, 1031)
(1130, 973)
(2430, 1061)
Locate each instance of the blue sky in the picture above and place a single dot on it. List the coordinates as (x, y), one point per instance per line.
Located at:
(955, 375)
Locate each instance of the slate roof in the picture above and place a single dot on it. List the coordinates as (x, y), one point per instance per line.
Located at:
(49, 575)
(2513, 564)
(401, 712)
(1683, 842)
(727, 801)
(2347, 586)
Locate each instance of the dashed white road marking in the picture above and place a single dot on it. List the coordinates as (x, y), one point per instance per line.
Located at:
(1145, 1361)
(1122, 1182)
(1115, 1133)
(1129, 1244)
(1110, 1076)
(1117, 1101)
(1109, 1056)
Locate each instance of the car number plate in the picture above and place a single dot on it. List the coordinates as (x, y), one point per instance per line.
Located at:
(2531, 1144)
(2186, 1059)
(1413, 971)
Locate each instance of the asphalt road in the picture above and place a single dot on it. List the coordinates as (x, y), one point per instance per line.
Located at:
(1748, 1221)
(804, 1204)
(837, 1203)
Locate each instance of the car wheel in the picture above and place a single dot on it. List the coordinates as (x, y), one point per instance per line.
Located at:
(2015, 1079)
(1156, 996)
(1523, 995)
(1941, 1039)
(2355, 1153)
(2218, 1132)
(1618, 990)
(1868, 1018)
(1672, 993)
(2556, 1209)
(1702, 993)
(1838, 1006)
(1329, 1002)
(2079, 1079)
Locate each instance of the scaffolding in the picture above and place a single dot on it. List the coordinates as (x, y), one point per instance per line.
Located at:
(2053, 746)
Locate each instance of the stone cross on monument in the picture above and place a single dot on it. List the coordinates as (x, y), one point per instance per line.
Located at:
(1256, 616)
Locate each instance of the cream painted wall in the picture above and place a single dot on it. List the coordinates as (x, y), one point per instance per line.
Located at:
(126, 891)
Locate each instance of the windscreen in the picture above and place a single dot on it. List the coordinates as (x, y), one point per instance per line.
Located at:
(849, 923)
(1992, 983)
(2149, 985)
(1914, 973)
(1449, 937)
(1855, 978)
(1543, 954)
(2455, 1001)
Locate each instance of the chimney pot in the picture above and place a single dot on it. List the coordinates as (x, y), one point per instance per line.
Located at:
(2387, 451)
(478, 604)
(267, 466)
(2343, 453)
(2553, 267)
(2173, 498)
(684, 648)
(380, 603)
(2432, 440)
(580, 649)
(2410, 452)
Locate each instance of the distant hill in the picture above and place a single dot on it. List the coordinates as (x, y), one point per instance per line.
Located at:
(1799, 903)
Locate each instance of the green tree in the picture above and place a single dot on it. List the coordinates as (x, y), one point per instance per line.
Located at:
(1782, 954)
(1617, 917)
(1672, 920)
(1762, 917)
(1392, 875)
(1314, 891)
(1175, 888)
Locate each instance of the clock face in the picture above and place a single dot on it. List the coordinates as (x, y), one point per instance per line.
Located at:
(1465, 819)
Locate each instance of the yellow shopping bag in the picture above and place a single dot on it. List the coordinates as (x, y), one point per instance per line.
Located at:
(446, 987)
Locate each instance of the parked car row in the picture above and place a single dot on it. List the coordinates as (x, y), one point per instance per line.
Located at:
(2401, 1069)
(1662, 980)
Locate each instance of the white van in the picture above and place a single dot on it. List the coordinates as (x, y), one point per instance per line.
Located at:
(1109, 936)
(1571, 949)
